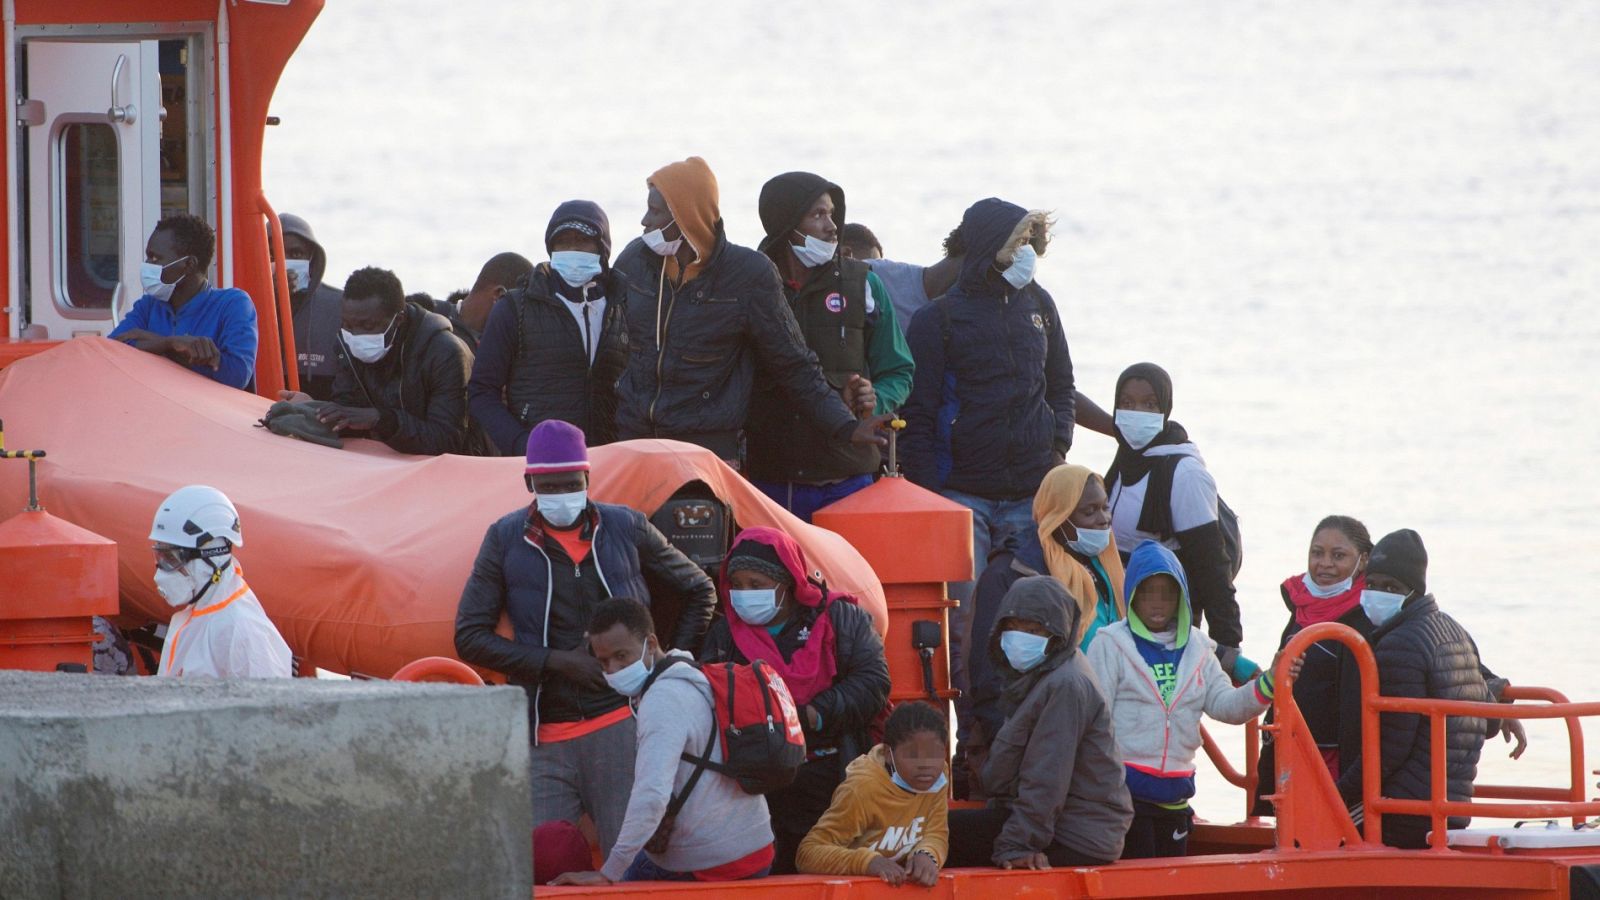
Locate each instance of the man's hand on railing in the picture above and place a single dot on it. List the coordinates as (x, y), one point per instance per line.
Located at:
(1511, 729)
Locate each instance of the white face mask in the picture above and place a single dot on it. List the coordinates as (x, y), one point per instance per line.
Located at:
(1091, 542)
(1139, 428)
(756, 607)
(1322, 592)
(150, 279)
(561, 510)
(1381, 606)
(369, 348)
(182, 586)
(1020, 272)
(657, 240)
(1023, 650)
(814, 252)
(299, 272)
(576, 267)
(894, 775)
(629, 680)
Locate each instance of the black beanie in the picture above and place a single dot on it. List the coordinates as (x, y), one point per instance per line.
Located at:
(754, 556)
(585, 217)
(1400, 556)
(785, 200)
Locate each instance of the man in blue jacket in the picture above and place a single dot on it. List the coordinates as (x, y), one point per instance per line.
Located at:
(991, 408)
(181, 316)
(547, 568)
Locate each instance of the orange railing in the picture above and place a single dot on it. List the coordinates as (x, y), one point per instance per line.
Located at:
(1252, 758)
(1306, 792)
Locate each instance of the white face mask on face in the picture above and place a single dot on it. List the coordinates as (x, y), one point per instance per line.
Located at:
(1020, 272)
(1091, 542)
(299, 272)
(576, 267)
(369, 348)
(150, 275)
(1023, 650)
(1381, 606)
(814, 252)
(656, 240)
(629, 680)
(755, 607)
(561, 510)
(1139, 428)
(182, 586)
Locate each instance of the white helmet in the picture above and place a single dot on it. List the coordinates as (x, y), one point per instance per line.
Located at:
(195, 515)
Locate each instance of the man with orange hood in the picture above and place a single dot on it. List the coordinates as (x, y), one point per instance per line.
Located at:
(703, 315)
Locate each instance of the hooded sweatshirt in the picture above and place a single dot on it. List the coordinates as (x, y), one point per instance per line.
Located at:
(719, 823)
(317, 317)
(873, 817)
(1055, 762)
(1095, 583)
(1157, 687)
(993, 393)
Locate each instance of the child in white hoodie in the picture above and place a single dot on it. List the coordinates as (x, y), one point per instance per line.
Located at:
(1159, 674)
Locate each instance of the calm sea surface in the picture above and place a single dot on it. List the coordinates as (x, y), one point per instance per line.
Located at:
(1363, 236)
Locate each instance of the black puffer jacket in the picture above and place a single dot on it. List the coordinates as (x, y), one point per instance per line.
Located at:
(533, 364)
(419, 387)
(1422, 652)
(860, 687)
(693, 381)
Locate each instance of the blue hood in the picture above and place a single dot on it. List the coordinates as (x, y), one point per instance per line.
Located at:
(1151, 558)
(985, 228)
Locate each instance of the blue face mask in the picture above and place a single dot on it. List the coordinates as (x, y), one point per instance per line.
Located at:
(629, 680)
(1324, 592)
(1023, 650)
(576, 267)
(894, 775)
(1381, 606)
(1139, 428)
(755, 607)
(1023, 262)
(1091, 542)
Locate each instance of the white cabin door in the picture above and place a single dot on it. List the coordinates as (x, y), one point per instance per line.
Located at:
(92, 178)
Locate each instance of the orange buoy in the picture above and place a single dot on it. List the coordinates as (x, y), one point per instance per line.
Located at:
(441, 669)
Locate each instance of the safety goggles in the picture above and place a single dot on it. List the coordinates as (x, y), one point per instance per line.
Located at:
(170, 558)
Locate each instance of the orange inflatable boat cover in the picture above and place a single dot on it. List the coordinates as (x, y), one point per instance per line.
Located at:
(358, 555)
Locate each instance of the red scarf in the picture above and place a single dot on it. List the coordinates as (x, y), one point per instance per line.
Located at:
(814, 664)
(1310, 609)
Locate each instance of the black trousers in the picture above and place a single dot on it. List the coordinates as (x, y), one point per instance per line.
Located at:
(974, 831)
(796, 808)
(1157, 832)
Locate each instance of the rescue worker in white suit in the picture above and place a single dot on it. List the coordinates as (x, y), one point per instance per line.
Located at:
(220, 628)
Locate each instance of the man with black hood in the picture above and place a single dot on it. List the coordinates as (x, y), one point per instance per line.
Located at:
(848, 321)
(402, 375)
(992, 405)
(703, 316)
(554, 347)
(1054, 774)
(316, 308)
(1421, 652)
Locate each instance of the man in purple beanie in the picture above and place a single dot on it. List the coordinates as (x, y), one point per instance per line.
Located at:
(554, 347)
(547, 567)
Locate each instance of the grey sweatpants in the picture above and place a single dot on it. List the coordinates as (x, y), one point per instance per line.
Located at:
(592, 774)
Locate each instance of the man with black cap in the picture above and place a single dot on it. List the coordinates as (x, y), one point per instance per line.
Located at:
(846, 318)
(316, 307)
(554, 347)
(1421, 652)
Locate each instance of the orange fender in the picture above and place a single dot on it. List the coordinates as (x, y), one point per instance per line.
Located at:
(438, 669)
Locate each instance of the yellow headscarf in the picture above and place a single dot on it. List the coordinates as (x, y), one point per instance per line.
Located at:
(1059, 494)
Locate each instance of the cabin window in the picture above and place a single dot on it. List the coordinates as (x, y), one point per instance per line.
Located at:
(90, 214)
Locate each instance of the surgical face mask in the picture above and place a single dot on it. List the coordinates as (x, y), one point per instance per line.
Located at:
(815, 251)
(756, 607)
(894, 775)
(150, 275)
(1091, 542)
(629, 680)
(183, 585)
(576, 267)
(1139, 428)
(1381, 606)
(1020, 272)
(1023, 650)
(657, 240)
(1324, 592)
(369, 348)
(299, 272)
(561, 510)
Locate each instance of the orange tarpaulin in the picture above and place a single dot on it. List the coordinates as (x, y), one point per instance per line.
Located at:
(358, 555)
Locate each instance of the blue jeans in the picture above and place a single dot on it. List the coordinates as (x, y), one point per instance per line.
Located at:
(805, 499)
(644, 868)
(992, 520)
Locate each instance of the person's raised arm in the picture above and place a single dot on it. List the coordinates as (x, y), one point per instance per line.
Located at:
(781, 353)
(1089, 415)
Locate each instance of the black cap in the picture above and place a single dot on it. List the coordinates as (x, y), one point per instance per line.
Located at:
(785, 200)
(586, 217)
(1400, 556)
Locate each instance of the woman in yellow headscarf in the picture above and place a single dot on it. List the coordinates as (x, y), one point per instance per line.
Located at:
(1074, 522)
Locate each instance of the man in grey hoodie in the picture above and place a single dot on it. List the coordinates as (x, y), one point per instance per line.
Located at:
(316, 308)
(721, 833)
(1054, 774)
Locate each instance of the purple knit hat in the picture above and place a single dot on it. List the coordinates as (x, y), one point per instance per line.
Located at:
(556, 446)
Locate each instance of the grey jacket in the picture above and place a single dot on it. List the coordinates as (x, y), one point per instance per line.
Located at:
(318, 316)
(1055, 760)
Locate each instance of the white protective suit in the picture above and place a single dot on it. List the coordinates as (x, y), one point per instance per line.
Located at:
(225, 635)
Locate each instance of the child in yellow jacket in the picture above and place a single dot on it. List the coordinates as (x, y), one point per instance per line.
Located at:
(888, 817)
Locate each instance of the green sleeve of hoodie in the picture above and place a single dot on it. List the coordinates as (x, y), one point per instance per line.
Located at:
(888, 356)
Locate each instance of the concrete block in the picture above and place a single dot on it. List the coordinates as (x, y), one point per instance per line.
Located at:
(146, 787)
